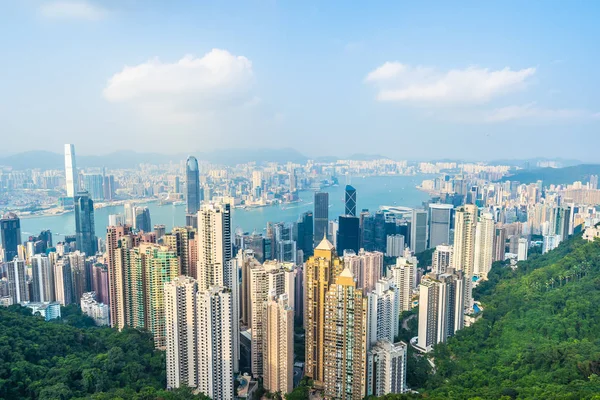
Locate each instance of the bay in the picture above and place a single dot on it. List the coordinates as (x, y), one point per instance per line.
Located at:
(371, 193)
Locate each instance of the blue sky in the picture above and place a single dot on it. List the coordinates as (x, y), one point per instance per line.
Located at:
(415, 80)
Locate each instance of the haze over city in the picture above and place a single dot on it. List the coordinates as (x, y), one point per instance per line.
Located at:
(402, 79)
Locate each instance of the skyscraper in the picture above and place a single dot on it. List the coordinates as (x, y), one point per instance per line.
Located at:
(42, 279)
(141, 219)
(383, 312)
(350, 201)
(441, 308)
(404, 275)
(321, 216)
(63, 282)
(463, 256)
(10, 227)
(94, 185)
(321, 271)
(499, 243)
(115, 257)
(522, 250)
(178, 240)
(386, 368)
(17, 281)
(439, 224)
(181, 329)
(418, 231)
(85, 236)
(193, 193)
(366, 266)
(484, 245)
(215, 343)
(348, 234)
(71, 175)
(345, 342)
(441, 259)
(278, 365)
(214, 246)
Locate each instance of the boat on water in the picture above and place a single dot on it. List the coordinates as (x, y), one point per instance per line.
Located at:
(178, 203)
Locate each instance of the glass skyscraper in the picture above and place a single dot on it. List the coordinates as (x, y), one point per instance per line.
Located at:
(85, 235)
(193, 193)
(10, 227)
(321, 216)
(350, 201)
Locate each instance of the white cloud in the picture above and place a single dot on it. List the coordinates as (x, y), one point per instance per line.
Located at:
(182, 90)
(77, 9)
(422, 85)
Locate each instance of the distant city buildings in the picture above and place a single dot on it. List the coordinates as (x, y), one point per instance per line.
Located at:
(71, 174)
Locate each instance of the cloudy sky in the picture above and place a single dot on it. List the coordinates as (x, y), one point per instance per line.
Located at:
(406, 79)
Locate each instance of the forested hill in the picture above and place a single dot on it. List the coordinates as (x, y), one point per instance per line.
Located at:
(70, 359)
(539, 337)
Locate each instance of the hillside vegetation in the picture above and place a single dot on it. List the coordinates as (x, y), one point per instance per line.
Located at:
(70, 359)
(539, 337)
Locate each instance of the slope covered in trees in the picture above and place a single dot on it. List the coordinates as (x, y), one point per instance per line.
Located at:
(70, 359)
(539, 337)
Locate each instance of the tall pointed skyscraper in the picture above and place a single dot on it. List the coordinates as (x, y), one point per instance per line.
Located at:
(193, 193)
(71, 178)
(350, 201)
(10, 229)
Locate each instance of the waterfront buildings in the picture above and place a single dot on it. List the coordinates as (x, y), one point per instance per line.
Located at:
(10, 229)
(71, 175)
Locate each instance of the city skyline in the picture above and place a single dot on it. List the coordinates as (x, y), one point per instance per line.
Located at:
(517, 89)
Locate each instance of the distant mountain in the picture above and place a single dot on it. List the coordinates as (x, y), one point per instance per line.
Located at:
(532, 162)
(130, 159)
(556, 176)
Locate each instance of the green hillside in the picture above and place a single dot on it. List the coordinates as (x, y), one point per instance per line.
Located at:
(539, 337)
(70, 359)
(556, 176)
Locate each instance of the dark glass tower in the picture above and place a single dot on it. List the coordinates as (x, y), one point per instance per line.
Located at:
(85, 236)
(193, 193)
(350, 201)
(142, 221)
(304, 236)
(10, 226)
(348, 234)
(321, 216)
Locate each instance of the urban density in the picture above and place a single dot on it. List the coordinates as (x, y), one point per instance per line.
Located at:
(231, 306)
(299, 200)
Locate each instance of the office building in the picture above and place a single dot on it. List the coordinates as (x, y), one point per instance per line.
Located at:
(386, 368)
(18, 289)
(440, 219)
(141, 219)
(193, 192)
(350, 201)
(85, 236)
(345, 342)
(441, 260)
(383, 312)
(321, 271)
(394, 245)
(215, 343)
(181, 312)
(304, 235)
(321, 217)
(418, 231)
(278, 347)
(42, 279)
(71, 175)
(348, 237)
(94, 185)
(484, 245)
(441, 308)
(10, 228)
